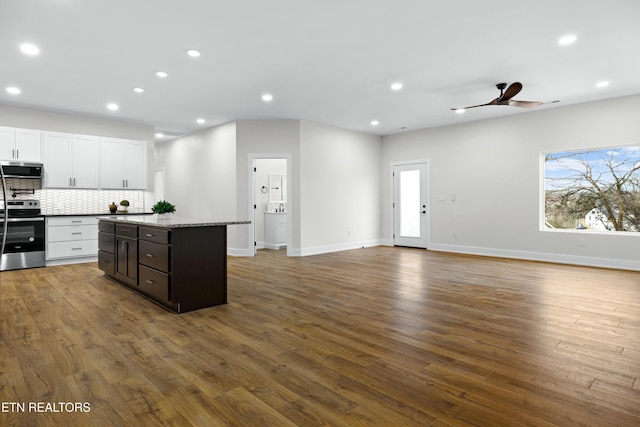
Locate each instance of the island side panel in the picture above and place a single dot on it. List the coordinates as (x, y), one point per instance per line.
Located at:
(199, 267)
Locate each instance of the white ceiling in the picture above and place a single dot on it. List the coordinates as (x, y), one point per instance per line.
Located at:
(330, 61)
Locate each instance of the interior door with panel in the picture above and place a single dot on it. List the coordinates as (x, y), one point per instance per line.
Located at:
(410, 210)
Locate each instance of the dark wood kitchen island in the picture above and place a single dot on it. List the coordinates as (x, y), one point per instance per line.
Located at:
(180, 263)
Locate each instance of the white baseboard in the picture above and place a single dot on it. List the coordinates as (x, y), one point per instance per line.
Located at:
(333, 248)
(64, 261)
(620, 264)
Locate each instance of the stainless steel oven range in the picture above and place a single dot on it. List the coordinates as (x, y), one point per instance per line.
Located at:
(22, 228)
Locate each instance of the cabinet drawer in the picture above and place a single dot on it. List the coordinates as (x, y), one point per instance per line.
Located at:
(126, 230)
(154, 235)
(154, 255)
(80, 248)
(107, 262)
(72, 220)
(154, 283)
(107, 227)
(71, 232)
(107, 242)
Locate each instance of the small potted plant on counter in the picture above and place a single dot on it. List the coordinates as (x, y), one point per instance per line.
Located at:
(124, 206)
(163, 207)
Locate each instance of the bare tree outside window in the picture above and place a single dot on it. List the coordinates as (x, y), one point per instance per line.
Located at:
(593, 189)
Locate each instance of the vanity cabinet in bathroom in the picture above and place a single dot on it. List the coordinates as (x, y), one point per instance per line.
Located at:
(275, 230)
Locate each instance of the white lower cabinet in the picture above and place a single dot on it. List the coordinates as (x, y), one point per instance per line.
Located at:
(275, 230)
(72, 237)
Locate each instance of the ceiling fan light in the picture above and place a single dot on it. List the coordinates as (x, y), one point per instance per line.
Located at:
(460, 110)
(602, 84)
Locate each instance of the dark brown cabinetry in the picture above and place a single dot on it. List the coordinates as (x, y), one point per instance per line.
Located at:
(127, 254)
(107, 248)
(182, 268)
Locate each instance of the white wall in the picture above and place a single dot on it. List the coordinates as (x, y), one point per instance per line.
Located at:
(267, 137)
(340, 178)
(493, 167)
(200, 171)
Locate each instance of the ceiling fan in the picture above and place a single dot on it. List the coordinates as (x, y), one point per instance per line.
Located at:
(506, 96)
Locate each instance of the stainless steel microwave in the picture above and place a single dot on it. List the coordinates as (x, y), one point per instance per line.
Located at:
(22, 170)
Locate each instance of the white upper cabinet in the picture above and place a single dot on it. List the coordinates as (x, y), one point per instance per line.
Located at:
(123, 164)
(20, 145)
(70, 161)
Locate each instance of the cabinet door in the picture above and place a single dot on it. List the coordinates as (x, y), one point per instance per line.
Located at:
(85, 162)
(135, 154)
(28, 145)
(57, 160)
(7, 143)
(112, 165)
(127, 260)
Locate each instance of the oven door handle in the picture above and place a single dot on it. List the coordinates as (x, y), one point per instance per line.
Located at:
(39, 218)
(6, 212)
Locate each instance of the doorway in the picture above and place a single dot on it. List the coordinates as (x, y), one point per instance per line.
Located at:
(410, 204)
(270, 202)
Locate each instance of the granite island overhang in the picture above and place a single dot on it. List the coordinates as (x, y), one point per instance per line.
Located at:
(177, 262)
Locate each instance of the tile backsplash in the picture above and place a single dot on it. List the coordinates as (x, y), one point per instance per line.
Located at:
(67, 201)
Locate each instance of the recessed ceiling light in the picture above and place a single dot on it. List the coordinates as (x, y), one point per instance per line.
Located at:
(267, 97)
(29, 49)
(193, 53)
(374, 123)
(201, 121)
(138, 90)
(14, 90)
(567, 40)
(112, 106)
(460, 110)
(602, 84)
(161, 74)
(159, 135)
(396, 86)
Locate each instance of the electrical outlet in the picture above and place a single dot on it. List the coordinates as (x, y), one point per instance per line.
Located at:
(455, 234)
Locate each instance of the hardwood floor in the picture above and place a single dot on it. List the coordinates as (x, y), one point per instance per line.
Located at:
(380, 337)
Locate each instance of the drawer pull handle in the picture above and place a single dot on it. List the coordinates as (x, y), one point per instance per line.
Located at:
(150, 235)
(76, 249)
(79, 232)
(150, 255)
(79, 220)
(151, 282)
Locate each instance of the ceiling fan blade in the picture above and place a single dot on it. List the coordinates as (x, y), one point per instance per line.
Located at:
(511, 91)
(494, 102)
(524, 104)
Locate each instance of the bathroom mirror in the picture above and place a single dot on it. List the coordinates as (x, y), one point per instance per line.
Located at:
(277, 188)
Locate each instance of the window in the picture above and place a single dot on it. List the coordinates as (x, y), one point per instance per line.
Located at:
(593, 189)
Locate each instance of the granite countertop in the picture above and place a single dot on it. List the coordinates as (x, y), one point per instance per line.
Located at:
(170, 222)
(51, 214)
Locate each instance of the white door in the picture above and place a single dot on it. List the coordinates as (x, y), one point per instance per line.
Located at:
(28, 146)
(112, 164)
(410, 210)
(85, 161)
(57, 160)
